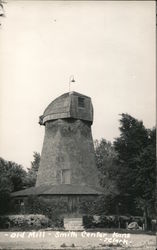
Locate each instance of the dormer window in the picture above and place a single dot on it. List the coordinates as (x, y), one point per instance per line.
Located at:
(81, 102)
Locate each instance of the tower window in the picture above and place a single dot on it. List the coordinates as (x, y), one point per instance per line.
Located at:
(65, 176)
(81, 102)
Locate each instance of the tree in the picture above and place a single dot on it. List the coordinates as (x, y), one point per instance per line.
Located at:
(105, 160)
(145, 183)
(136, 160)
(106, 164)
(12, 178)
(32, 172)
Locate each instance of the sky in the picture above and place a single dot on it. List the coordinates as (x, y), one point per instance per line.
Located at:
(109, 47)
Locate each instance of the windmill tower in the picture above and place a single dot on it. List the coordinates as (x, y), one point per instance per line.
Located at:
(68, 152)
(67, 168)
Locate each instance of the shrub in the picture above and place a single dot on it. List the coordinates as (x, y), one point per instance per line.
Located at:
(110, 221)
(4, 222)
(30, 221)
(50, 208)
(88, 221)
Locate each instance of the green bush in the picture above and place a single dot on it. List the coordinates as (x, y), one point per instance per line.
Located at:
(50, 208)
(88, 221)
(4, 222)
(88, 206)
(110, 221)
(26, 221)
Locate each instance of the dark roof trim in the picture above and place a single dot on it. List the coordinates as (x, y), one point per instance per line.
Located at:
(63, 189)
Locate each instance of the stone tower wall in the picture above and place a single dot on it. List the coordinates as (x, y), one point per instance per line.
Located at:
(68, 144)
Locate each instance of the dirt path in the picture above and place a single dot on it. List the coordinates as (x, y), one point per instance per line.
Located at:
(75, 240)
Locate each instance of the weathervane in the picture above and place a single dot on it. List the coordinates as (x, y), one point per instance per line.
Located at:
(71, 79)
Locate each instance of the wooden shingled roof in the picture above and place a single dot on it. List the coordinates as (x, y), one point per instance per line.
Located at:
(68, 106)
(63, 189)
(62, 103)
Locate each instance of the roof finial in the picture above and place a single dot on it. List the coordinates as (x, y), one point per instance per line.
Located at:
(71, 79)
